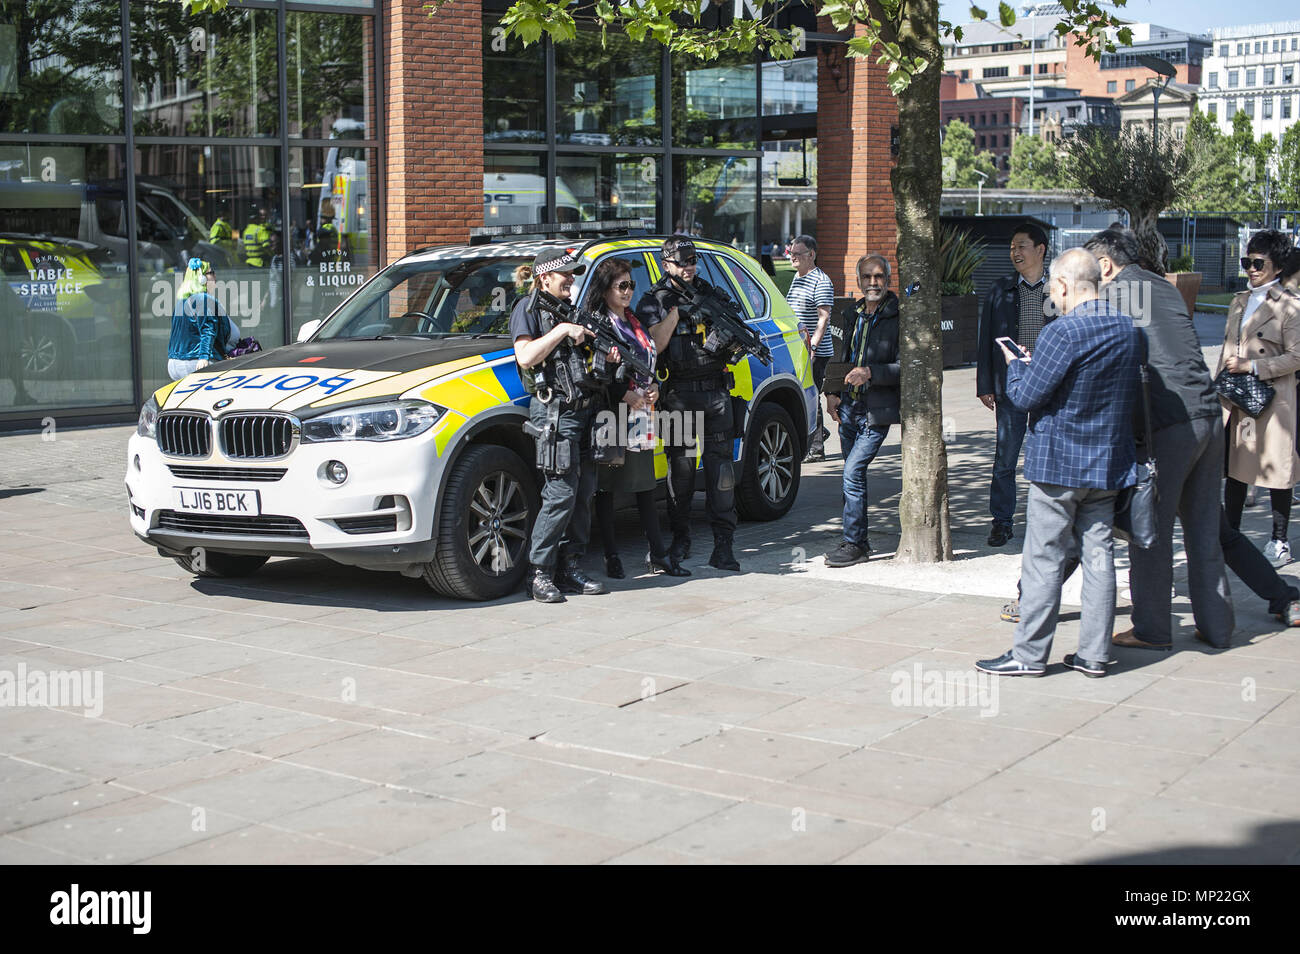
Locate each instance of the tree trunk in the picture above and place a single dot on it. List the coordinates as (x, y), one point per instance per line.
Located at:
(923, 508)
(1151, 244)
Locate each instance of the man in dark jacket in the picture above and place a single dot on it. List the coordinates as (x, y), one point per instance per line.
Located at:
(1012, 309)
(1185, 435)
(869, 402)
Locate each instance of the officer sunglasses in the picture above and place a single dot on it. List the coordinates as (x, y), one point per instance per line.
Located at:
(686, 262)
(626, 285)
(1254, 264)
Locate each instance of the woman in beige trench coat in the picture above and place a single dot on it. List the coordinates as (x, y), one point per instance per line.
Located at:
(1263, 337)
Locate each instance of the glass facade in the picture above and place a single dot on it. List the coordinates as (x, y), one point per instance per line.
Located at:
(602, 129)
(251, 139)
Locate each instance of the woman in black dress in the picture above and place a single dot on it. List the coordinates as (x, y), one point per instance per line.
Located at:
(611, 292)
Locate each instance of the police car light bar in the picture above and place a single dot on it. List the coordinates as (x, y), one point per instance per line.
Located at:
(486, 233)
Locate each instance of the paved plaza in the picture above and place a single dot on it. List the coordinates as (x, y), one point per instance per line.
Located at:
(790, 713)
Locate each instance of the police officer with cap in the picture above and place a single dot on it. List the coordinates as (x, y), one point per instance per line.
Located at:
(697, 381)
(563, 426)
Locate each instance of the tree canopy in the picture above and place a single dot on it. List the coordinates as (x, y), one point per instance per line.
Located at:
(961, 163)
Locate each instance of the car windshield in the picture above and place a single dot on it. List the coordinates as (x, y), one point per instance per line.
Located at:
(435, 299)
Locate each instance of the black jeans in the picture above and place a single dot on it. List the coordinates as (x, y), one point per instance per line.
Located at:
(646, 510)
(1234, 499)
(719, 470)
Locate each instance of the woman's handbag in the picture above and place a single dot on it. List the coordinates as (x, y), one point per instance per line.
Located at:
(1136, 507)
(1245, 391)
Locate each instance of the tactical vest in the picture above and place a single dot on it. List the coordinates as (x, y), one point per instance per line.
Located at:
(565, 361)
(685, 357)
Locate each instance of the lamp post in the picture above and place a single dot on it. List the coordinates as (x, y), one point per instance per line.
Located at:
(979, 192)
(1165, 69)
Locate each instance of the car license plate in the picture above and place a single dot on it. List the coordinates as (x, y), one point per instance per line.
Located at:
(236, 503)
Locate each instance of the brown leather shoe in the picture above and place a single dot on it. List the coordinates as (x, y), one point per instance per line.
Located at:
(1130, 641)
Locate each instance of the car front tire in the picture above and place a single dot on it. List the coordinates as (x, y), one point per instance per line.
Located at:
(484, 520)
(770, 477)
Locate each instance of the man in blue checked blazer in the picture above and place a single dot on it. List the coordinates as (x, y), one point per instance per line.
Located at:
(1079, 389)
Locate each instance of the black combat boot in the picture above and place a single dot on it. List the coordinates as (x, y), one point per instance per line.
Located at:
(570, 579)
(722, 557)
(541, 587)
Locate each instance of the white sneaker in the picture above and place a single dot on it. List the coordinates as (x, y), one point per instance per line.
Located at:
(1278, 552)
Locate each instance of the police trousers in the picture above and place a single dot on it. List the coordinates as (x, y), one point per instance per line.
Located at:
(719, 470)
(563, 525)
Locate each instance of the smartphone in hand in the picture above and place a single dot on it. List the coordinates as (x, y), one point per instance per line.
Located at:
(1014, 348)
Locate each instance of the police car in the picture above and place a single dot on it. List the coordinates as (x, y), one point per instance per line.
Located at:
(390, 436)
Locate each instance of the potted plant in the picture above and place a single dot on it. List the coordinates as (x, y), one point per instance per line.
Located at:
(1187, 281)
(959, 256)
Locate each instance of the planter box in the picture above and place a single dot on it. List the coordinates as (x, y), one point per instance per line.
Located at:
(1188, 285)
(959, 321)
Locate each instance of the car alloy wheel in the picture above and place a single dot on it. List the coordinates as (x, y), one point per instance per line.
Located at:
(498, 527)
(775, 462)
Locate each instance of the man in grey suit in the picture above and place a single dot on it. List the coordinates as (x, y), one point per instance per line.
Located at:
(1185, 435)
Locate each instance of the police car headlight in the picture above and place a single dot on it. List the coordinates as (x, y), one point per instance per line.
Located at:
(374, 422)
(147, 426)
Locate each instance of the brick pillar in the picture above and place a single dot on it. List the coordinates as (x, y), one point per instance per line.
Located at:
(434, 124)
(855, 207)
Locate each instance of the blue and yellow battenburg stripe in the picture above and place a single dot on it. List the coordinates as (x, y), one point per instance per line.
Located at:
(472, 385)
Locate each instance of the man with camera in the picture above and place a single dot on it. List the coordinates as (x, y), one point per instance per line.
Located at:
(561, 414)
(698, 382)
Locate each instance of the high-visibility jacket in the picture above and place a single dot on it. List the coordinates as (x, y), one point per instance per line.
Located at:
(257, 243)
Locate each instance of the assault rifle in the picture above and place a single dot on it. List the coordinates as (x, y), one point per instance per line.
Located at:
(728, 332)
(603, 338)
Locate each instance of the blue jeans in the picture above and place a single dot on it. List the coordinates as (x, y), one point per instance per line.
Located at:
(860, 444)
(1011, 436)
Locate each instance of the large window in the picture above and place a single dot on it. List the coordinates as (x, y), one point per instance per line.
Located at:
(514, 85)
(215, 74)
(331, 239)
(329, 82)
(612, 187)
(607, 94)
(65, 252)
(714, 196)
(220, 204)
(715, 103)
(273, 191)
(60, 67)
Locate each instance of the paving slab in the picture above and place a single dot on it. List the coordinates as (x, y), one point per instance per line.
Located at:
(792, 712)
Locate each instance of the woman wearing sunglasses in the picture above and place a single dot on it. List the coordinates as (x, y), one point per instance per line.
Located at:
(611, 292)
(1263, 338)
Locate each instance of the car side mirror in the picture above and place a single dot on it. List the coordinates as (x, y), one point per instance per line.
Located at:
(308, 329)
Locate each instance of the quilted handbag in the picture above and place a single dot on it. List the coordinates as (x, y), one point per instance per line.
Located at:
(1244, 390)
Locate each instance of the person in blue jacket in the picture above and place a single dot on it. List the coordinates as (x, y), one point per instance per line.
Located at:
(200, 326)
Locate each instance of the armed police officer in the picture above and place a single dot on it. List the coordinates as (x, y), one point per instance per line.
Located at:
(697, 381)
(561, 416)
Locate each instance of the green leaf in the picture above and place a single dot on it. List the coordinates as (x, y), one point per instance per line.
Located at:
(898, 81)
(1125, 36)
(978, 13)
(528, 29)
(1006, 15)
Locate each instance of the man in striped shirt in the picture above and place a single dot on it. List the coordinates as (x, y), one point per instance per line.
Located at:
(811, 296)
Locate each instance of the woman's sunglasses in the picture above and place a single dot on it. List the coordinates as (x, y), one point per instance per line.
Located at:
(626, 286)
(1254, 264)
